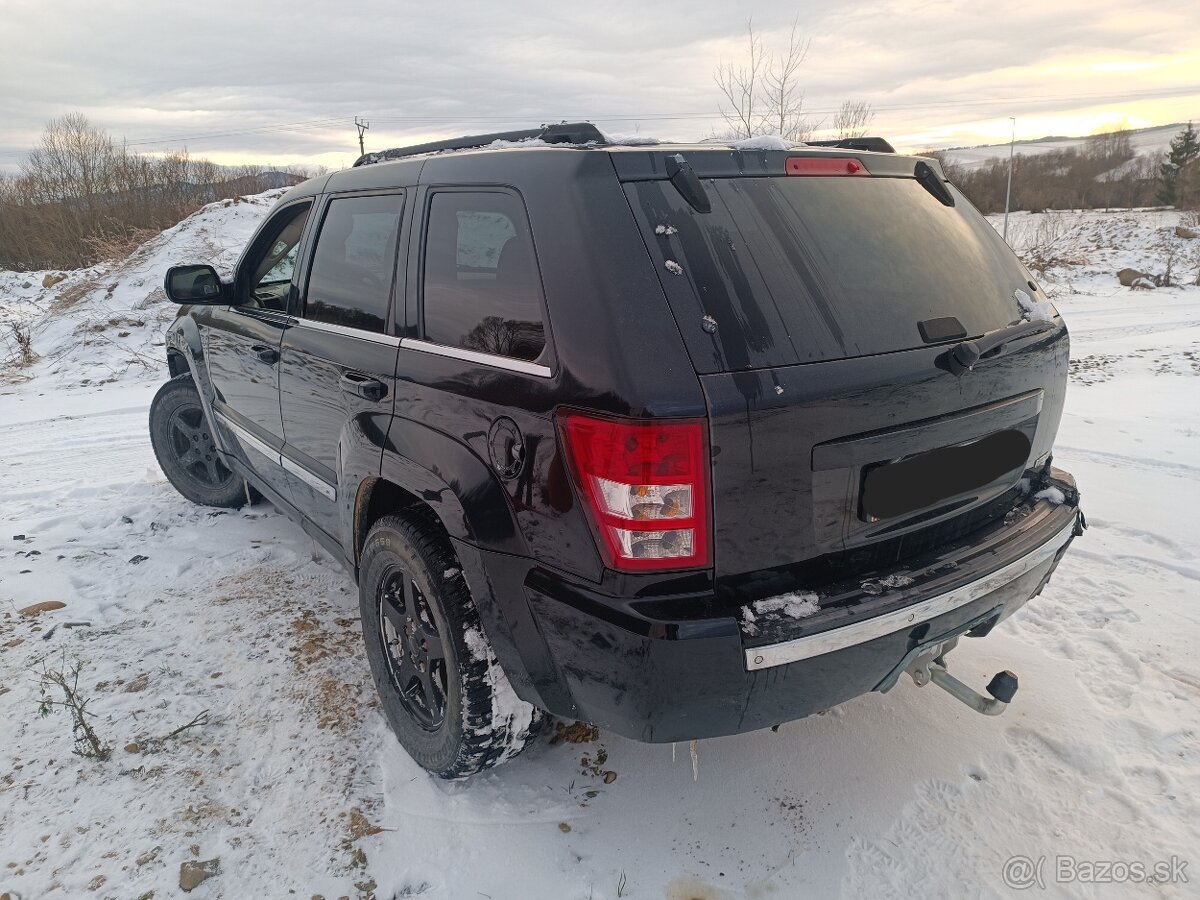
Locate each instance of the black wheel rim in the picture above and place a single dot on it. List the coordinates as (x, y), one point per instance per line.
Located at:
(414, 650)
(195, 449)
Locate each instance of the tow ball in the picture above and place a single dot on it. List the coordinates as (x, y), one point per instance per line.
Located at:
(928, 668)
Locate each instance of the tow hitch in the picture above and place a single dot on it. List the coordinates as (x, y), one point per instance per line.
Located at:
(930, 666)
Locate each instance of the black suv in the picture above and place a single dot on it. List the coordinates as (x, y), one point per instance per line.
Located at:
(679, 440)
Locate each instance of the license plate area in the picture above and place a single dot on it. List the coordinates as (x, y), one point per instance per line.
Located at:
(901, 487)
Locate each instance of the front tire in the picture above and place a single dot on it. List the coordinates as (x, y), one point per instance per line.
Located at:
(442, 690)
(186, 450)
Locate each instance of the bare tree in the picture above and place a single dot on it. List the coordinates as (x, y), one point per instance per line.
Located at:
(80, 196)
(853, 119)
(741, 84)
(785, 99)
(762, 92)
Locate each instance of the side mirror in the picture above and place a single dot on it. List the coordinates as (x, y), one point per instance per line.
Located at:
(197, 285)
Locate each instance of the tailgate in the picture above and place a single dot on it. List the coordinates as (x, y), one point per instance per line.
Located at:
(796, 450)
(818, 313)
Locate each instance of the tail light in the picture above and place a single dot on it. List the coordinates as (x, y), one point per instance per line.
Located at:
(645, 486)
(824, 165)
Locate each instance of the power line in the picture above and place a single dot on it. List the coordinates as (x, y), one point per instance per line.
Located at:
(334, 122)
(261, 129)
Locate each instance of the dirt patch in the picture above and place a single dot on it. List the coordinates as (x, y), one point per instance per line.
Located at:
(575, 733)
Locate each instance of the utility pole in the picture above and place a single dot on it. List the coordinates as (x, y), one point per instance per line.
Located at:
(362, 126)
(1012, 146)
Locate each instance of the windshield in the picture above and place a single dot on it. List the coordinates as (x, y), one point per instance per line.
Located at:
(796, 269)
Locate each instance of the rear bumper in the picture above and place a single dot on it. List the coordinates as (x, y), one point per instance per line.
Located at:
(579, 654)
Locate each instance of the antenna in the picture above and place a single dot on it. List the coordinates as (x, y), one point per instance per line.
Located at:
(362, 126)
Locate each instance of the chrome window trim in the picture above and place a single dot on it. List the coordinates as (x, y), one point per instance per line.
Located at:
(314, 481)
(902, 619)
(362, 335)
(473, 356)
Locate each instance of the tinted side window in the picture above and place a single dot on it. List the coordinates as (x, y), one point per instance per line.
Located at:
(351, 276)
(482, 290)
(274, 258)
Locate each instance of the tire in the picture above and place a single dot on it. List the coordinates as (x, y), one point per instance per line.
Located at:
(186, 451)
(458, 715)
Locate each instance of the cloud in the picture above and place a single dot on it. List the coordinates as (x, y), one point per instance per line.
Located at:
(417, 70)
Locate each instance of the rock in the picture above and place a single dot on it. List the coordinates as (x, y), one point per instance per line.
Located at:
(564, 827)
(1186, 233)
(610, 777)
(192, 874)
(138, 559)
(1128, 276)
(1143, 284)
(26, 285)
(53, 278)
(38, 608)
(133, 747)
(18, 537)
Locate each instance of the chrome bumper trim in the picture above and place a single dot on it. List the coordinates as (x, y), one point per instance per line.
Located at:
(908, 617)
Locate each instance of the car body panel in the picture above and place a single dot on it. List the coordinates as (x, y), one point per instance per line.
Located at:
(656, 656)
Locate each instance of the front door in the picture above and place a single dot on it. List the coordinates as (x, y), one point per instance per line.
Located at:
(241, 345)
(338, 362)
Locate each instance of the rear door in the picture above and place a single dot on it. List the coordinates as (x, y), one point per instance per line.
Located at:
(242, 343)
(818, 311)
(338, 358)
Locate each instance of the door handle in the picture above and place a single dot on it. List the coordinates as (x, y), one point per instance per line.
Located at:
(363, 386)
(269, 355)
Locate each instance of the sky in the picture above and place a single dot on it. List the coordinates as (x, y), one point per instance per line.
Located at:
(281, 83)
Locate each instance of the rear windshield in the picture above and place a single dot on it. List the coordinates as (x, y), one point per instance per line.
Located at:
(796, 269)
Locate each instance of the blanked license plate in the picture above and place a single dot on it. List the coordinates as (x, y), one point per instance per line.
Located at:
(921, 481)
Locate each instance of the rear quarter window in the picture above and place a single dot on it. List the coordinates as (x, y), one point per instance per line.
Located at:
(481, 288)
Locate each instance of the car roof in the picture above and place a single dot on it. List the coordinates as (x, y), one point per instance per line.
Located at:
(632, 161)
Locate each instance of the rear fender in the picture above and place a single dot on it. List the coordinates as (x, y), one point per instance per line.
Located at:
(472, 506)
(457, 485)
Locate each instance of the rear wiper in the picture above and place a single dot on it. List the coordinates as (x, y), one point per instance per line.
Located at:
(962, 357)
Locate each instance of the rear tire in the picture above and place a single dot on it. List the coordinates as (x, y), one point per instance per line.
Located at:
(442, 690)
(186, 450)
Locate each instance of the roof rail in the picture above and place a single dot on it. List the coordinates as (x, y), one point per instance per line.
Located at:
(563, 133)
(870, 144)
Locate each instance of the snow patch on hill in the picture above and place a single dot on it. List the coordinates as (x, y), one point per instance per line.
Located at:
(106, 322)
(1145, 142)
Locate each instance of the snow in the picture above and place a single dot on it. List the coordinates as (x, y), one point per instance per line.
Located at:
(630, 140)
(765, 142)
(792, 605)
(1144, 141)
(296, 784)
(673, 267)
(509, 712)
(1053, 494)
(1031, 310)
(666, 229)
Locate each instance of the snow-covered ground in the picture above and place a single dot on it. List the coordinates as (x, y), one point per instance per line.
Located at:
(293, 782)
(1151, 142)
